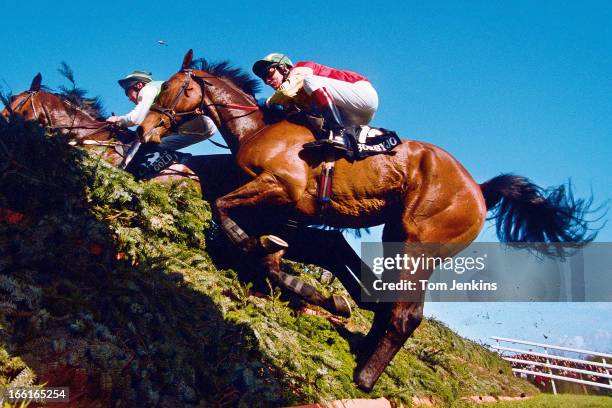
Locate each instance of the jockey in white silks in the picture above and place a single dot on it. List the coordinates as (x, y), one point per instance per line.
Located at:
(142, 90)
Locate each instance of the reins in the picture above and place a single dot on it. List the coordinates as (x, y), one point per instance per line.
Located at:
(235, 106)
(171, 114)
(83, 141)
(50, 125)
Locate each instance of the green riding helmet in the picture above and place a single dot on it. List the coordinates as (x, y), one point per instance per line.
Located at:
(260, 68)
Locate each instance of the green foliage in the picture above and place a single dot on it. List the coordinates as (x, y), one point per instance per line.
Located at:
(78, 96)
(67, 72)
(110, 277)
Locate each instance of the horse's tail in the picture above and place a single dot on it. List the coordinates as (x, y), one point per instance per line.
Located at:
(525, 212)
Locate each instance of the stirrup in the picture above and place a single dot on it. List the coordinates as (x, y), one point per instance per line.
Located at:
(328, 145)
(324, 143)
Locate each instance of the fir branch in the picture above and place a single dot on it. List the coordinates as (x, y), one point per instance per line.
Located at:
(24, 379)
(6, 96)
(67, 73)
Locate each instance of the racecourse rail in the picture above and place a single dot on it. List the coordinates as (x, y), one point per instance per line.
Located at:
(551, 366)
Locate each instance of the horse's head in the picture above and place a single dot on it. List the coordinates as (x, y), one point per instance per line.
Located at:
(222, 93)
(24, 104)
(68, 111)
(180, 98)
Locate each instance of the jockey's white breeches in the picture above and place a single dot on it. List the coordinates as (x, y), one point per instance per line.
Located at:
(357, 102)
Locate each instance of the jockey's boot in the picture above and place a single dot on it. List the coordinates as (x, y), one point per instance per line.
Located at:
(333, 121)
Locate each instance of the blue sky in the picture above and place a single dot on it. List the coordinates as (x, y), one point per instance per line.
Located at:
(518, 87)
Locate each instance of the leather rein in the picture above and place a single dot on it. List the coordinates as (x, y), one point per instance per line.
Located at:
(172, 115)
(50, 125)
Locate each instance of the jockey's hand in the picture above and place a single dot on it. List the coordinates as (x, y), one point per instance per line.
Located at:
(115, 120)
(262, 103)
(272, 113)
(277, 107)
(265, 105)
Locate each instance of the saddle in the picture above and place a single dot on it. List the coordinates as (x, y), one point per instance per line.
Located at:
(364, 140)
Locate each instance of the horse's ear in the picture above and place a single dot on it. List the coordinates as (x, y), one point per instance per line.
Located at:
(187, 60)
(35, 86)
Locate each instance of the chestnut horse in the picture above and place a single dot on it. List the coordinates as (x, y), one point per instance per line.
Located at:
(420, 193)
(57, 112)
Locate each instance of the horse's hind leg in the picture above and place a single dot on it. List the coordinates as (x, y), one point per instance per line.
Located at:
(334, 304)
(392, 232)
(397, 325)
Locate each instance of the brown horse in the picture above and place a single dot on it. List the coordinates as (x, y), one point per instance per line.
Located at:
(420, 193)
(57, 112)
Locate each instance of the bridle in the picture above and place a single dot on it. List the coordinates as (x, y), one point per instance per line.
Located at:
(170, 112)
(49, 125)
(30, 97)
(49, 122)
(172, 115)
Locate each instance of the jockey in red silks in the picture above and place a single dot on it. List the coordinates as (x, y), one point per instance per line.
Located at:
(343, 98)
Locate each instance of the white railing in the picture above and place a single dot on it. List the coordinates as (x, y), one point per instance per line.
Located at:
(559, 368)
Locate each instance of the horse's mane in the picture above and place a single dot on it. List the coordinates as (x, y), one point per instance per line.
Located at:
(91, 106)
(224, 69)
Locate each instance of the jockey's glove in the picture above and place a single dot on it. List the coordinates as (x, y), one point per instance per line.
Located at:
(263, 104)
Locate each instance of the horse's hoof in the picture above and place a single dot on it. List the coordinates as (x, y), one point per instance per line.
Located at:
(363, 380)
(340, 306)
(272, 243)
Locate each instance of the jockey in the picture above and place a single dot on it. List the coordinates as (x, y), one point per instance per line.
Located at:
(142, 90)
(344, 98)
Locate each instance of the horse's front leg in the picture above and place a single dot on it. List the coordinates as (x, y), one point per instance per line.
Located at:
(265, 189)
